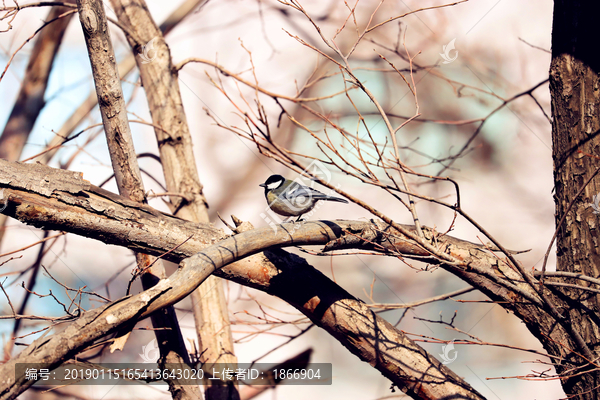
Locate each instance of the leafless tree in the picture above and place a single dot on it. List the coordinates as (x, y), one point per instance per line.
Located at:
(337, 126)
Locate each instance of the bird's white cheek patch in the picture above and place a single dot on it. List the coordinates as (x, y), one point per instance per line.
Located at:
(273, 185)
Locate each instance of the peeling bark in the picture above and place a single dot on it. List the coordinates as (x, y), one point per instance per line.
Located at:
(113, 219)
(575, 89)
(81, 208)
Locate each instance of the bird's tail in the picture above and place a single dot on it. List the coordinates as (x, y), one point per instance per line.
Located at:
(329, 198)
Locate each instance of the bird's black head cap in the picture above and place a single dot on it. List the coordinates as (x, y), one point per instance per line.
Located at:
(273, 179)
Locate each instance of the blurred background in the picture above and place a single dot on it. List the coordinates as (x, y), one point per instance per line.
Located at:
(505, 173)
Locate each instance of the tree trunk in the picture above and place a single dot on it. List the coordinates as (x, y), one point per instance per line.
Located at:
(574, 86)
(174, 141)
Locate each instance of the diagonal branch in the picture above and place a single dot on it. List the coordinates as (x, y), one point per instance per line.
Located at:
(93, 212)
(329, 306)
(62, 200)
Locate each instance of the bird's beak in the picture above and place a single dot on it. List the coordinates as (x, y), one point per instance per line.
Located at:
(262, 185)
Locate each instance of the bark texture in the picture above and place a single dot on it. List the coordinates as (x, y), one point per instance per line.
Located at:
(181, 176)
(575, 90)
(125, 67)
(110, 97)
(173, 135)
(68, 202)
(73, 205)
(62, 200)
(120, 143)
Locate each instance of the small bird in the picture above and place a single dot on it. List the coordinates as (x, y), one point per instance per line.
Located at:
(289, 198)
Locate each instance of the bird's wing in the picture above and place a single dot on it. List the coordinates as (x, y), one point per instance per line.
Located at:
(301, 190)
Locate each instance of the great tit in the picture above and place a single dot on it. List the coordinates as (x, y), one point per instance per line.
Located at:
(289, 198)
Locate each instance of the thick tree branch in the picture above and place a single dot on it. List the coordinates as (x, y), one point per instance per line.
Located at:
(348, 319)
(62, 200)
(125, 165)
(81, 208)
(174, 141)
